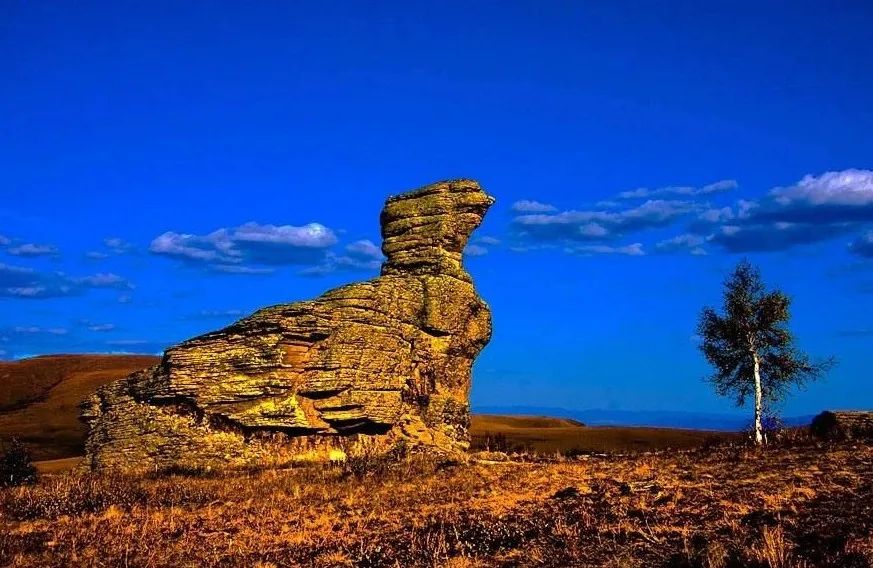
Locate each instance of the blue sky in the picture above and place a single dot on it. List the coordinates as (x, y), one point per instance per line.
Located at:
(169, 167)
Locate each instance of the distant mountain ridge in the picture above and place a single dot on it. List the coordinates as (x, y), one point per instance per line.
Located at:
(651, 418)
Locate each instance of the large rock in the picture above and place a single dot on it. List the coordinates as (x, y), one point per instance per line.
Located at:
(843, 425)
(363, 368)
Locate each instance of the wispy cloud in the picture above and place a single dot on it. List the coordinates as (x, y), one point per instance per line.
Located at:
(688, 242)
(34, 330)
(598, 225)
(475, 250)
(362, 255)
(530, 206)
(32, 250)
(680, 191)
(635, 249)
(27, 283)
(863, 245)
(480, 246)
(117, 245)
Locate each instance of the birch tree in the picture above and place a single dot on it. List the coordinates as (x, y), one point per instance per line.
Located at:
(751, 347)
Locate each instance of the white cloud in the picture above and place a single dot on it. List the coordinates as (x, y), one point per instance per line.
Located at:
(232, 250)
(815, 209)
(528, 206)
(313, 235)
(191, 247)
(847, 187)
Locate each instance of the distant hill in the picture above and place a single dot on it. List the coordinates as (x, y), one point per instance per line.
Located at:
(654, 419)
(549, 435)
(40, 396)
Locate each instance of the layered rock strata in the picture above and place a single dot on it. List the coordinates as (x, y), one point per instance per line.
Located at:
(363, 368)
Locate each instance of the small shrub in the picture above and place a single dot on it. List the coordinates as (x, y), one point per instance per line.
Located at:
(497, 443)
(16, 467)
(374, 463)
(774, 550)
(71, 495)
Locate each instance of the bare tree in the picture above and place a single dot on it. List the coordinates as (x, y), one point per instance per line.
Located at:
(751, 347)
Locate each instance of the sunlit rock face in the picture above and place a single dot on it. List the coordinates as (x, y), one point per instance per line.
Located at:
(363, 368)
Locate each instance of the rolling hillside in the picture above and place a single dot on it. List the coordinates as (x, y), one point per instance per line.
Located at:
(39, 397)
(562, 435)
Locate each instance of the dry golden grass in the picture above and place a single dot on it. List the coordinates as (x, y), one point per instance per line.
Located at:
(717, 508)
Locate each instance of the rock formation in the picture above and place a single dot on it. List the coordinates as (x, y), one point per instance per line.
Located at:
(843, 425)
(363, 368)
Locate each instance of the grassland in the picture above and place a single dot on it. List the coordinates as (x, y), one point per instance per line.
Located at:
(557, 494)
(728, 506)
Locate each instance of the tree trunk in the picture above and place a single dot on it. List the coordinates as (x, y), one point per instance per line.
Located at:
(759, 434)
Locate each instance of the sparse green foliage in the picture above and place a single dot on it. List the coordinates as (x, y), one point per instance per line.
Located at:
(16, 467)
(751, 347)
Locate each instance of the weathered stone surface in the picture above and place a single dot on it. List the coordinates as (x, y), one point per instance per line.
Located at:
(843, 425)
(362, 368)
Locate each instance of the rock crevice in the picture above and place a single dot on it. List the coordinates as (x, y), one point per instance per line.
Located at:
(362, 368)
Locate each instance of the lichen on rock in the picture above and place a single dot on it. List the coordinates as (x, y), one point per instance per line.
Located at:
(362, 368)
